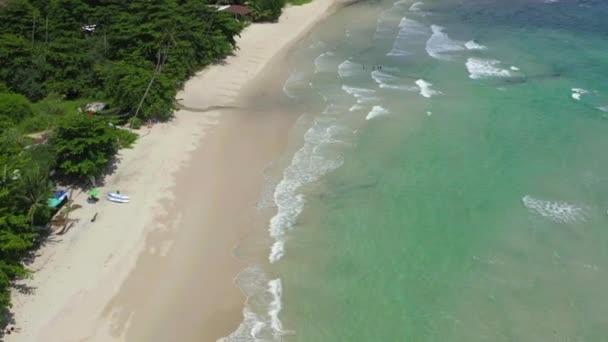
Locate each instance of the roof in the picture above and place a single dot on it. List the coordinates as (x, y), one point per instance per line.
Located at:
(238, 9)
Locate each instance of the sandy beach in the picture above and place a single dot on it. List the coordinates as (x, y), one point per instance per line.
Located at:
(161, 268)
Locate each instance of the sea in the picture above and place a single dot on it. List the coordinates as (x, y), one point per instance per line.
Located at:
(446, 178)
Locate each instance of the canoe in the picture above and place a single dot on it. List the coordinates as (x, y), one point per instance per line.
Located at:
(117, 200)
(119, 196)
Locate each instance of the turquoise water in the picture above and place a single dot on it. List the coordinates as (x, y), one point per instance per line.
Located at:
(460, 193)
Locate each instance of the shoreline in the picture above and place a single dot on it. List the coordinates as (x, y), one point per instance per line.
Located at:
(105, 281)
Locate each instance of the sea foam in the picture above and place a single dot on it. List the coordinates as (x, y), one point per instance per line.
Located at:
(308, 164)
(559, 212)
(439, 45)
(348, 68)
(363, 95)
(409, 31)
(425, 88)
(325, 62)
(577, 93)
(376, 112)
(483, 68)
(473, 45)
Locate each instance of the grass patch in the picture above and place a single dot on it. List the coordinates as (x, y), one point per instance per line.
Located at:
(298, 2)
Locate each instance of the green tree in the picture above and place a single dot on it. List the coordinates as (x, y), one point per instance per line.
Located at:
(34, 188)
(15, 107)
(84, 145)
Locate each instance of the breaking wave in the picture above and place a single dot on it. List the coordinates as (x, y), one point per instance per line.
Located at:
(376, 112)
(439, 46)
(349, 68)
(559, 212)
(325, 62)
(409, 31)
(473, 45)
(425, 88)
(577, 93)
(483, 68)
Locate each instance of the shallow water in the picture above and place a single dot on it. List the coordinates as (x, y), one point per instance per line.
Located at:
(457, 193)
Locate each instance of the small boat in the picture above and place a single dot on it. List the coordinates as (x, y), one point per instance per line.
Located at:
(117, 200)
(118, 196)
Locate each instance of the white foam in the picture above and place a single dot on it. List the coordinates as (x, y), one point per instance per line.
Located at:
(355, 107)
(439, 45)
(401, 3)
(252, 283)
(294, 80)
(409, 31)
(376, 112)
(324, 62)
(275, 289)
(578, 92)
(308, 164)
(363, 95)
(348, 68)
(603, 108)
(473, 45)
(483, 68)
(425, 88)
(381, 77)
(559, 212)
(416, 6)
(514, 68)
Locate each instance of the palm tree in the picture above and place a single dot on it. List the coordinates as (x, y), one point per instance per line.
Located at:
(34, 191)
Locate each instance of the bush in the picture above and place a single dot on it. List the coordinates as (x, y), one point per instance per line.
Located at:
(37, 123)
(125, 138)
(15, 107)
(266, 10)
(135, 123)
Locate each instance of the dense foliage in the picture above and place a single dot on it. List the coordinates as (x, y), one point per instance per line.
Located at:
(46, 47)
(84, 145)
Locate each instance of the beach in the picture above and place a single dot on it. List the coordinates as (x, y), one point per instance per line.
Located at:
(161, 267)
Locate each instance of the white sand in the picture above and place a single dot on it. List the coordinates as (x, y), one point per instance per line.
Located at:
(78, 273)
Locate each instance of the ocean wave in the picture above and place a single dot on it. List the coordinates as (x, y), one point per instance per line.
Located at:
(376, 112)
(603, 108)
(308, 164)
(276, 291)
(355, 107)
(348, 68)
(294, 81)
(409, 31)
(386, 81)
(473, 45)
(559, 212)
(261, 321)
(415, 7)
(425, 88)
(483, 68)
(363, 95)
(401, 3)
(439, 45)
(325, 62)
(578, 92)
